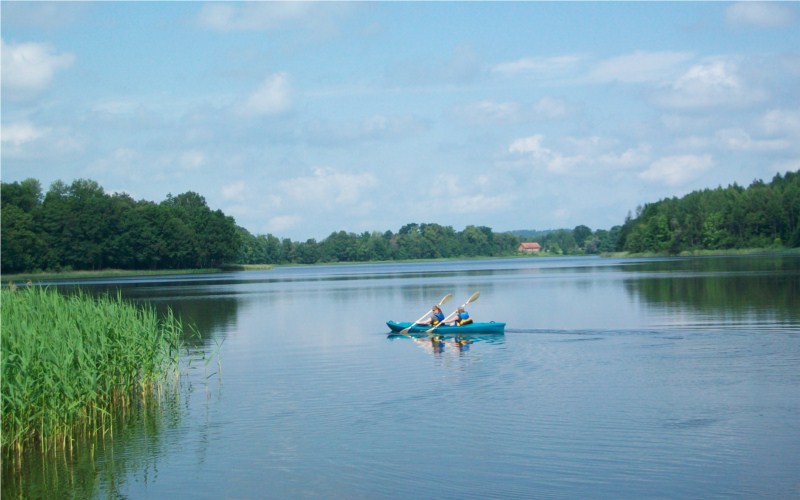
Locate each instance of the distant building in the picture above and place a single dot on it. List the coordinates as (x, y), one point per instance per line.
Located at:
(529, 247)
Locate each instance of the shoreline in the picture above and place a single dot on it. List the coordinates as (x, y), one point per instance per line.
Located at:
(21, 278)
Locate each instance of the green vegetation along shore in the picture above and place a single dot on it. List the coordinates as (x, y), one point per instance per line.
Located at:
(69, 360)
(80, 227)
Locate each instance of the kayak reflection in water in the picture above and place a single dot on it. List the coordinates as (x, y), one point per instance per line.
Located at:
(461, 343)
(437, 343)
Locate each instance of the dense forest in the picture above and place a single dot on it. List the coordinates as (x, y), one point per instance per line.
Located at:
(81, 227)
(759, 216)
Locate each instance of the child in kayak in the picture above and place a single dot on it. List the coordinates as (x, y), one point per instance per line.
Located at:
(436, 317)
(462, 317)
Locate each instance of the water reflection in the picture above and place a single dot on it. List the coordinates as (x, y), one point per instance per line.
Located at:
(760, 289)
(440, 345)
(210, 317)
(207, 311)
(97, 466)
(585, 391)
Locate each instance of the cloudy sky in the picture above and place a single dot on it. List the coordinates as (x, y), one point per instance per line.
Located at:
(301, 119)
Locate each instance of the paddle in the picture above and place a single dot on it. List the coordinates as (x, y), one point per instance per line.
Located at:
(440, 304)
(472, 298)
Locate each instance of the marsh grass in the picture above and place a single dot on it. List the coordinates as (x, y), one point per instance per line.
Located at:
(69, 361)
(98, 466)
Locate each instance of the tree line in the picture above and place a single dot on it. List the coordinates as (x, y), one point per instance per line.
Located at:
(81, 227)
(412, 241)
(763, 215)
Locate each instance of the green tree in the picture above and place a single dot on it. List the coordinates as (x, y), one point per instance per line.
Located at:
(339, 247)
(580, 234)
(20, 239)
(474, 241)
(762, 215)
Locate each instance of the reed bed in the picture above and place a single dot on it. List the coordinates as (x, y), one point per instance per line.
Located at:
(68, 361)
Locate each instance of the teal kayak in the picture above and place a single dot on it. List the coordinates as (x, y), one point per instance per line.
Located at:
(472, 328)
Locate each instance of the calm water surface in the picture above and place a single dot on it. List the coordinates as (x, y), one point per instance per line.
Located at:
(673, 378)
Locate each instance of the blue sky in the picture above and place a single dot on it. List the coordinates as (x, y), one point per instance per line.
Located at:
(301, 119)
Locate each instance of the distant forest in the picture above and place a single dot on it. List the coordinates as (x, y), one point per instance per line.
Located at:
(759, 216)
(80, 227)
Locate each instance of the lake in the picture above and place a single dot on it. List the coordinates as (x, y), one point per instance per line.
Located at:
(616, 378)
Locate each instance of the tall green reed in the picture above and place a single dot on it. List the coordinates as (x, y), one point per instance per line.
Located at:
(69, 360)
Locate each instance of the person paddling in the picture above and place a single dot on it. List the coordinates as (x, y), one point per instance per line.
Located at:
(436, 317)
(462, 317)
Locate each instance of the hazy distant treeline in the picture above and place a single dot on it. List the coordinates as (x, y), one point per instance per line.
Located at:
(412, 241)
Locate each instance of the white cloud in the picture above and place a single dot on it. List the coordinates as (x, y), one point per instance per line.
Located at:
(639, 67)
(553, 161)
(29, 68)
(538, 66)
(532, 144)
(281, 223)
(17, 135)
(273, 97)
(533, 148)
(192, 160)
(329, 188)
(631, 157)
(470, 203)
(234, 191)
(457, 197)
(737, 139)
(489, 111)
(589, 153)
(493, 112)
(26, 140)
(761, 14)
(677, 170)
(716, 83)
(251, 16)
(781, 122)
(319, 20)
